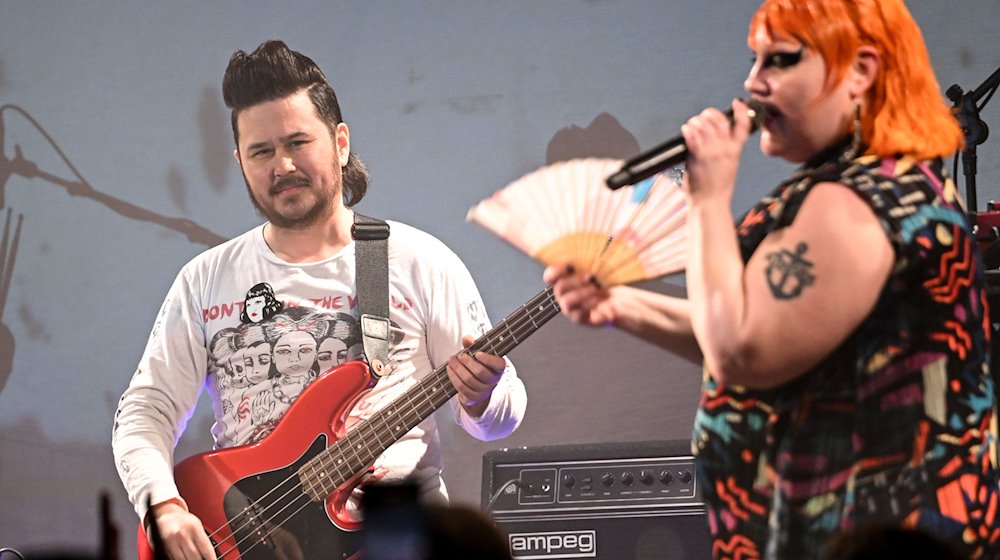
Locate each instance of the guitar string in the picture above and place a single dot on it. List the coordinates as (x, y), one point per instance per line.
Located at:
(438, 379)
(274, 515)
(521, 321)
(433, 386)
(435, 379)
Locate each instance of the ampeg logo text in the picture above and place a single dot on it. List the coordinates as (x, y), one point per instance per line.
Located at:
(556, 544)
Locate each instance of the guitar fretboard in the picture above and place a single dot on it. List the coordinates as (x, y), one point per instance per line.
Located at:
(359, 448)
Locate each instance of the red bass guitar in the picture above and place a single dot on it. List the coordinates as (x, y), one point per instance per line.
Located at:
(283, 498)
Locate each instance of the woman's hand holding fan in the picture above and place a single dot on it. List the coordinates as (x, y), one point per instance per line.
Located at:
(565, 213)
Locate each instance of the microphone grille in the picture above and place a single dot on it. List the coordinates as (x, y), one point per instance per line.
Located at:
(758, 114)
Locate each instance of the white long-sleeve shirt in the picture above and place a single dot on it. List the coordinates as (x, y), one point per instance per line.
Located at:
(255, 366)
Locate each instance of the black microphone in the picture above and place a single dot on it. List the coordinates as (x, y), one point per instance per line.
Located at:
(672, 152)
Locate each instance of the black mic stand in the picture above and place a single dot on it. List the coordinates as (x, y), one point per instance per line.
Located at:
(28, 169)
(976, 132)
(986, 225)
(974, 128)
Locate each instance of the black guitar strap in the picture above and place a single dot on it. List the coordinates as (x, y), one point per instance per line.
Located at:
(371, 263)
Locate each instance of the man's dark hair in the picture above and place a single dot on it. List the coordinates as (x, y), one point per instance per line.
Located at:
(273, 71)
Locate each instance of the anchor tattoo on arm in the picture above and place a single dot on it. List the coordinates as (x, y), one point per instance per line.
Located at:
(788, 273)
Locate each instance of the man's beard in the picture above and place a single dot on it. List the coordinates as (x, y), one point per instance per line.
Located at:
(311, 216)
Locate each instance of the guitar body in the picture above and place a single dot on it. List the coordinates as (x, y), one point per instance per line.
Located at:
(255, 501)
(250, 498)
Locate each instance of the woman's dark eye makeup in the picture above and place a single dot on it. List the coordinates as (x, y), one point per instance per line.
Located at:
(781, 59)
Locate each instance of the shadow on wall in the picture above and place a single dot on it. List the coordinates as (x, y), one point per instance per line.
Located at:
(216, 154)
(79, 187)
(586, 385)
(604, 137)
(8, 252)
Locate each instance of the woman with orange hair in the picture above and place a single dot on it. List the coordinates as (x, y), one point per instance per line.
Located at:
(842, 323)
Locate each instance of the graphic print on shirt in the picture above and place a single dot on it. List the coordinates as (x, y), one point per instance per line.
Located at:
(263, 364)
(479, 317)
(260, 304)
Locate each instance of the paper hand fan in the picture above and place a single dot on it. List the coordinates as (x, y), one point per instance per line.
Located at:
(565, 212)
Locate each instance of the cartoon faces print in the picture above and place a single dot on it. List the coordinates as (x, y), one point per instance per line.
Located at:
(294, 334)
(342, 343)
(252, 362)
(332, 352)
(227, 353)
(260, 304)
(243, 358)
(258, 362)
(262, 365)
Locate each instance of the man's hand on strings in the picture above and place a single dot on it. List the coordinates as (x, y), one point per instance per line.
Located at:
(474, 377)
(182, 533)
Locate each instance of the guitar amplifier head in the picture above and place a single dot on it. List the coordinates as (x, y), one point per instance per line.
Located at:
(630, 501)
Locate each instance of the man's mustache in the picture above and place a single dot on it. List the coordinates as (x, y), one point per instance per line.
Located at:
(289, 181)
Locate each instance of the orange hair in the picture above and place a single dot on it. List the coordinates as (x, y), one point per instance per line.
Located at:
(906, 113)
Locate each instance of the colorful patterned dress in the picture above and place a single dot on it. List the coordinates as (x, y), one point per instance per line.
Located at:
(898, 424)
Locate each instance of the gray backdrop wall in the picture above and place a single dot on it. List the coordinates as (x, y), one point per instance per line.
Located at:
(117, 169)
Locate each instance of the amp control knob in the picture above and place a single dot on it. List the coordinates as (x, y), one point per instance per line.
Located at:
(665, 476)
(627, 478)
(686, 476)
(569, 480)
(607, 479)
(645, 477)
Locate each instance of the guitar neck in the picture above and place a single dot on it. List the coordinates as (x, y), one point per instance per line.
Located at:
(361, 446)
